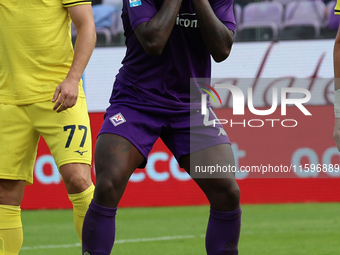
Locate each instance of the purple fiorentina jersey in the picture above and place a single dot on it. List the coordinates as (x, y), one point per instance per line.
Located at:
(165, 80)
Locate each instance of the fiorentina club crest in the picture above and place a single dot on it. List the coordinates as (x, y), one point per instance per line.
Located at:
(117, 119)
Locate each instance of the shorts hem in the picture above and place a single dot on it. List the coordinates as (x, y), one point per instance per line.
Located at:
(74, 161)
(212, 143)
(28, 180)
(144, 152)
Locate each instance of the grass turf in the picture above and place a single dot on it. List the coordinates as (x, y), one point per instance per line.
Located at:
(288, 229)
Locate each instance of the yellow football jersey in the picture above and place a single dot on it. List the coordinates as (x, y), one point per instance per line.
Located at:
(36, 51)
(337, 8)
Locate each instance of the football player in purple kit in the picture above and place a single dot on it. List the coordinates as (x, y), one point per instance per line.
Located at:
(168, 43)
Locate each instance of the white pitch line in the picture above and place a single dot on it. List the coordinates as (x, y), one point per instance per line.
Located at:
(162, 238)
(138, 240)
(56, 246)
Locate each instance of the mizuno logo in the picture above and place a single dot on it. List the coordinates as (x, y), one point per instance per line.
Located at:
(80, 152)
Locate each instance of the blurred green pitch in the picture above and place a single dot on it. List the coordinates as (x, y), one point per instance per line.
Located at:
(285, 229)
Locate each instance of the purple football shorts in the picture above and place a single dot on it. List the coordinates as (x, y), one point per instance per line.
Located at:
(142, 123)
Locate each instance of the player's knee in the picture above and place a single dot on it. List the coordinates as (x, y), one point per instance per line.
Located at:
(233, 193)
(77, 177)
(106, 194)
(104, 188)
(230, 190)
(11, 191)
(77, 183)
(226, 196)
(110, 188)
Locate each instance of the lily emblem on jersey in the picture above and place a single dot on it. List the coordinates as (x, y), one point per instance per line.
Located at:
(117, 119)
(134, 3)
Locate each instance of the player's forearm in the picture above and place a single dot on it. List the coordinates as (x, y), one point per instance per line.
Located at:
(336, 65)
(84, 45)
(154, 34)
(336, 59)
(216, 35)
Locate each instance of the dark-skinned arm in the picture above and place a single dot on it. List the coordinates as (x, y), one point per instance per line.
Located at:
(217, 37)
(154, 34)
(336, 65)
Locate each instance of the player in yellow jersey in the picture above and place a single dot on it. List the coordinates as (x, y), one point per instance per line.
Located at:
(41, 95)
(336, 59)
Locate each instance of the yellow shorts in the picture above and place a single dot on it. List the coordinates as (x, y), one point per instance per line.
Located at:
(67, 134)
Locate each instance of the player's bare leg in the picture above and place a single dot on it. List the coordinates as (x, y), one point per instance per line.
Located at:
(11, 234)
(77, 177)
(11, 191)
(115, 160)
(224, 196)
(78, 183)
